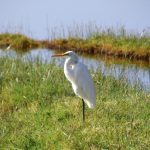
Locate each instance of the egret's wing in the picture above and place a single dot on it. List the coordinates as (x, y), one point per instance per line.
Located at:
(85, 86)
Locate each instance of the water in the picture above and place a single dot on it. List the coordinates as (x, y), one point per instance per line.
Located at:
(134, 74)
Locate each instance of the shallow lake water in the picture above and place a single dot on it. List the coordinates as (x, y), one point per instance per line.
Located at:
(133, 73)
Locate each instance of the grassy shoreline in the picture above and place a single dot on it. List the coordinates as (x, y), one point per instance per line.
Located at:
(131, 47)
(40, 111)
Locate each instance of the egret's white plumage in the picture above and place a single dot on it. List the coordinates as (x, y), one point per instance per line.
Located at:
(79, 76)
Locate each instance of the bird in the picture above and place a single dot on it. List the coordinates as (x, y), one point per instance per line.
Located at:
(78, 75)
(8, 48)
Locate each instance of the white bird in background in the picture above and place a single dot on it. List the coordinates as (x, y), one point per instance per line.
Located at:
(8, 48)
(79, 76)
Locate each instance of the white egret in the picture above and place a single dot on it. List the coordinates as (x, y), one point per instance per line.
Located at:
(8, 48)
(79, 76)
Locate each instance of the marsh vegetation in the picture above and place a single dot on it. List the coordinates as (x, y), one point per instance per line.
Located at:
(88, 39)
(40, 111)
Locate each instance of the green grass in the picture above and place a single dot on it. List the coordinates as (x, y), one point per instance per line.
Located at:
(18, 41)
(118, 46)
(40, 111)
(91, 40)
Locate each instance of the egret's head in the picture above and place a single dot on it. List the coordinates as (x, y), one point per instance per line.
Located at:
(69, 54)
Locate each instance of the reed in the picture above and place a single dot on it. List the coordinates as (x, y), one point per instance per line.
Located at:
(88, 39)
(18, 42)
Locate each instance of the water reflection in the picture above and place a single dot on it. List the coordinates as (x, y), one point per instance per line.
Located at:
(132, 73)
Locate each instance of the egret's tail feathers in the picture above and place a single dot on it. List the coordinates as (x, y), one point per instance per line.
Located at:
(90, 104)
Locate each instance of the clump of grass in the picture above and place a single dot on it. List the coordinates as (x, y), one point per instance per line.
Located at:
(89, 39)
(18, 41)
(92, 39)
(40, 111)
(127, 47)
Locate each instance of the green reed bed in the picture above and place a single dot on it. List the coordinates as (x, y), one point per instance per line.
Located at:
(40, 111)
(126, 47)
(89, 39)
(18, 42)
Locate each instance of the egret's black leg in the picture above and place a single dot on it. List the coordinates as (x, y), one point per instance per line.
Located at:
(83, 110)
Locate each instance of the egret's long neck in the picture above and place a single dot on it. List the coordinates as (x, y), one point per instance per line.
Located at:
(69, 68)
(70, 62)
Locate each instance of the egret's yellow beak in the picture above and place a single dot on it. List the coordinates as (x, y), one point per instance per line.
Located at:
(59, 55)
